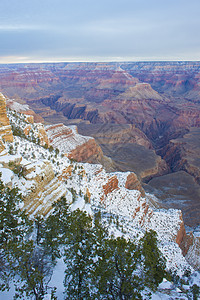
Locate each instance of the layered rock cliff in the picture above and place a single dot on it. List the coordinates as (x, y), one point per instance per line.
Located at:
(44, 188)
(31, 116)
(5, 128)
(161, 99)
(75, 146)
(119, 195)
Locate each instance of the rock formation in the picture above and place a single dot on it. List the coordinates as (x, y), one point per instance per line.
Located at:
(132, 183)
(193, 252)
(183, 153)
(44, 190)
(140, 91)
(111, 185)
(159, 99)
(178, 190)
(2, 146)
(77, 147)
(31, 116)
(5, 128)
(42, 182)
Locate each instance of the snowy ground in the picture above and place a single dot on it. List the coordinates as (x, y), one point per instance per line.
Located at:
(131, 214)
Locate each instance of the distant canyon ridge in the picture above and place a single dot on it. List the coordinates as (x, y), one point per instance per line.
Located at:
(144, 115)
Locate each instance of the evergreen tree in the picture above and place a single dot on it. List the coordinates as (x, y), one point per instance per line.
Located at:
(57, 226)
(78, 257)
(97, 267)
(35, 263)
(14, 226)
(153, 262)
(115, 271)
(100, 234)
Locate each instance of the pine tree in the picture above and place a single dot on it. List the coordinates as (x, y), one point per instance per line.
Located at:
(154, 263)
(35, 263)
(25, 254)
(78, 257)
(57, 226)
(115, 276)
(14, 226)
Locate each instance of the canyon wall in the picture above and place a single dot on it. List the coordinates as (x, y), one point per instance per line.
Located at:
(5, 128)
(159, 99)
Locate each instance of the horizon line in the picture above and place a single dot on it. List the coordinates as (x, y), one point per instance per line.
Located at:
(95, 61)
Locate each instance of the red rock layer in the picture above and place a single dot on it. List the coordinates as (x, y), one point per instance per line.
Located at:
(132, 183)
(111, 185)
(88, 152)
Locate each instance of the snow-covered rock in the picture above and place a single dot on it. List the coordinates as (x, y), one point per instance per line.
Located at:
(47, 175)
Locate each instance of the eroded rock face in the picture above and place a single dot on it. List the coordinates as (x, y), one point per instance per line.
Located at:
(152, 96)
(181, 235)
(40, 133)
(132, 183)
(88, 152)
(159, 99)
(29, 119)
(128, 147)
(178, 78)
(183, 153)
(141, 91)
(2, 146)
(193, 253)
(186, 243)
(5, 128)
(115, 134)
(158, 169)
(178, 190)
(44, 188)
(41, 188)
(80, 148)
(144, 94)
(31, 116)
(111, 185)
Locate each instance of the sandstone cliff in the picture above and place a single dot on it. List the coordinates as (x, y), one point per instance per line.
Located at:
(31, 116)
(5, 128)
(132, 183)
(75, 146)
(39, 133)
(44, 189)
(2, 146)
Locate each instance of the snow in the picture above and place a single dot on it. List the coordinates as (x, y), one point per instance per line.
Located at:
(8, 295)
(16, 105)
(7, 175)
(165, 284)
(88, 209)
(122, 177)
(24, 162)
(80, 204)
(136, 214)
(131, 214)
(65, 138)
(58, 278)
(195, 278)
(9, 158)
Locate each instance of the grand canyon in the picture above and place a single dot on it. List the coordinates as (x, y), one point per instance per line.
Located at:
(144, 117)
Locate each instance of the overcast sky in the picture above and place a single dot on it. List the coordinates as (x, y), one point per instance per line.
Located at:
(99, 30)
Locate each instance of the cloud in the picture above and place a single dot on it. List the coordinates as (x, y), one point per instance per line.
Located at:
(76, 29)
(22, 27)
